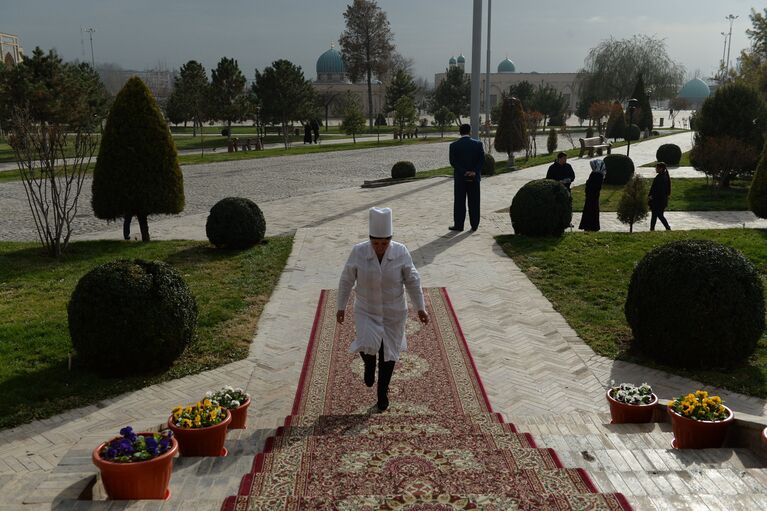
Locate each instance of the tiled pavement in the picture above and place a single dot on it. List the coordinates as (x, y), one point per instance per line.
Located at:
(533, 364)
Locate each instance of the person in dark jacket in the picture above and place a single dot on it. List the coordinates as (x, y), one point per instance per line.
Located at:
(307, 133)
(658, 196)
(590, 216)
(315, 124)
(561, 171)
(467, 157)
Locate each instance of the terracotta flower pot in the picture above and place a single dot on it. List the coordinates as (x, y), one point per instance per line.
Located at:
(139, 480)
(623, 413)
(208, 441)
(694, 434)
(239, 415)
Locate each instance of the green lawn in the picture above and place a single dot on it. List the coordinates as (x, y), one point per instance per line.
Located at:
(687, 194)
(586, 275)
(231, 289)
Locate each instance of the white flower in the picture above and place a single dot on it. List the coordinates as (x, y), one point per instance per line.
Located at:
(234, 404)
(209, 394)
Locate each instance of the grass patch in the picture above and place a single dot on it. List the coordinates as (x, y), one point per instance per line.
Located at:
(687, 194)
(231, 289)
(586, 275)
(684, 161)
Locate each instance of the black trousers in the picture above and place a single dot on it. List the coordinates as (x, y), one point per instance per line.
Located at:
(657, 213)
(143, 225)
(385, 371)
(462, 191)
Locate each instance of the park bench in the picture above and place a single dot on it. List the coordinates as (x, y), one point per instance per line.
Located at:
(589, 144)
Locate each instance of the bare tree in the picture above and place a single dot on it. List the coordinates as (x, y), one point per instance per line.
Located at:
(366, 44)
(52, 161)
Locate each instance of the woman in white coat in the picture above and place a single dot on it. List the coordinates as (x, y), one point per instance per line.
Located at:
(382, 270)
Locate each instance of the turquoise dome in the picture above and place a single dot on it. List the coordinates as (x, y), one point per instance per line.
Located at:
(506, 66)
(695, 89)
(461, 59)
(452, 61)
(331, 62)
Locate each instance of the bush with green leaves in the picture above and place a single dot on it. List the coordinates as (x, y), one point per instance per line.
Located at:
(488, 169)
(670, 154)
(757, 194)
(542, 207)
(695, 304)
(235, 222)
(619, 167)
(632, 133)
(632, 206)
(137, 170)
(131, 317)
(403, 170)
(551, 141)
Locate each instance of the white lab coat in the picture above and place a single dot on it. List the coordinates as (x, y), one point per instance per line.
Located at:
(380, 309)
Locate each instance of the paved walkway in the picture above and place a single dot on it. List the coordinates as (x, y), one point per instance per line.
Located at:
(531, 361)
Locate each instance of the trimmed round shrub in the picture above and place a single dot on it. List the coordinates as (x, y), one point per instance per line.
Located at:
(488, 169)
(696, 304)
(131, 317)
(402, 170)
(670, 154)
(235, 222)
(620, 169)
(632, 133)
(542, 207)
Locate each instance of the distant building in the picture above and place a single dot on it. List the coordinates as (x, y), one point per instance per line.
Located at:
(506, 75)
(696, 91)
(10, 49)
(159, 81)
(333, 82)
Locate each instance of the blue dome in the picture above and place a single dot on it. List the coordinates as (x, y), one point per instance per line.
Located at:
(695, 89)
(331, 62)
(461, 59)
(452, 61)
(506, 66)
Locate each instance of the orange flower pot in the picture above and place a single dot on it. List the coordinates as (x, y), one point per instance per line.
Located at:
(694, 434)
(623, 413)
(139, 480)
(239, 415)
(208, 441)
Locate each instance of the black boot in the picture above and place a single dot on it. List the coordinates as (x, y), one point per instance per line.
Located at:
(385, 370)
(370, 369)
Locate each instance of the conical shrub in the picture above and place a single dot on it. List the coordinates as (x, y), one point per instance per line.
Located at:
(137, 170)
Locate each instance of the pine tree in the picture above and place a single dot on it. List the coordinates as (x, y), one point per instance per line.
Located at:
(353, 121)
(511, 134)
(643, 115)
(401, 86)
(137, 171)
(616, 123)
(633, 204)
(757, 195)
(551, 141)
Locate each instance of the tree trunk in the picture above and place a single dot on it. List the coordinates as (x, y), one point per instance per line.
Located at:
(144, 226)
(285, 132)
(370, 96)
(631, 227)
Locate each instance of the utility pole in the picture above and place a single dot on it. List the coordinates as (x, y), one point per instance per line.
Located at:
(90, 31)
(724, 51)
(487, 77)
(731, 18)
(476, 58)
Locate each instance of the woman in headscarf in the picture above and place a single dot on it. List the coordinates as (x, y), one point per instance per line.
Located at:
(382, 270)
(590, 216)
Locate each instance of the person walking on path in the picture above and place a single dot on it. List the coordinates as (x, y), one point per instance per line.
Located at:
(658, 196)
(590, 216)
(467, 156)
(562, 171)
(382, 270)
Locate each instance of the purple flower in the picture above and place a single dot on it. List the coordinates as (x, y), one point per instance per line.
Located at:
(111, 453)
(126, 431)
(151, 446)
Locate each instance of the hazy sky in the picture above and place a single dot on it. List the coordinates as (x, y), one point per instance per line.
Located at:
(544, 36)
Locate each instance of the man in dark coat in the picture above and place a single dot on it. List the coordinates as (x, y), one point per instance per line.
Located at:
(561, 171)
(467, 157)
(658, 196)
(315, 124)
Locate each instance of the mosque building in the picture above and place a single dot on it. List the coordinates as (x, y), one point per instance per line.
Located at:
(333, 82)
(506, 75)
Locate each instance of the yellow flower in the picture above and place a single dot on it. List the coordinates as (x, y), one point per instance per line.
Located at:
(186, 423)
(213, 414)
(701, 394)
(177, 412)
(188, 409)
(207, 403)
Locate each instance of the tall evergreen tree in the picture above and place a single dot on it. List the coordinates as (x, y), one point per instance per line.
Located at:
(616, 123)
(401, 86)
(137, 171)
(523, 91)
(366, 44)
(454, 92)
(511, 134)
(353, 121)
(643, 115)
(227, 91)
(191, 92)
(284, 94)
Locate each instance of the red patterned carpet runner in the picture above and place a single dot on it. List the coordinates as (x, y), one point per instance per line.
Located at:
(439, 446)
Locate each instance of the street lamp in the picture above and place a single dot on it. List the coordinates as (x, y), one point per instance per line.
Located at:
(632, 108)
